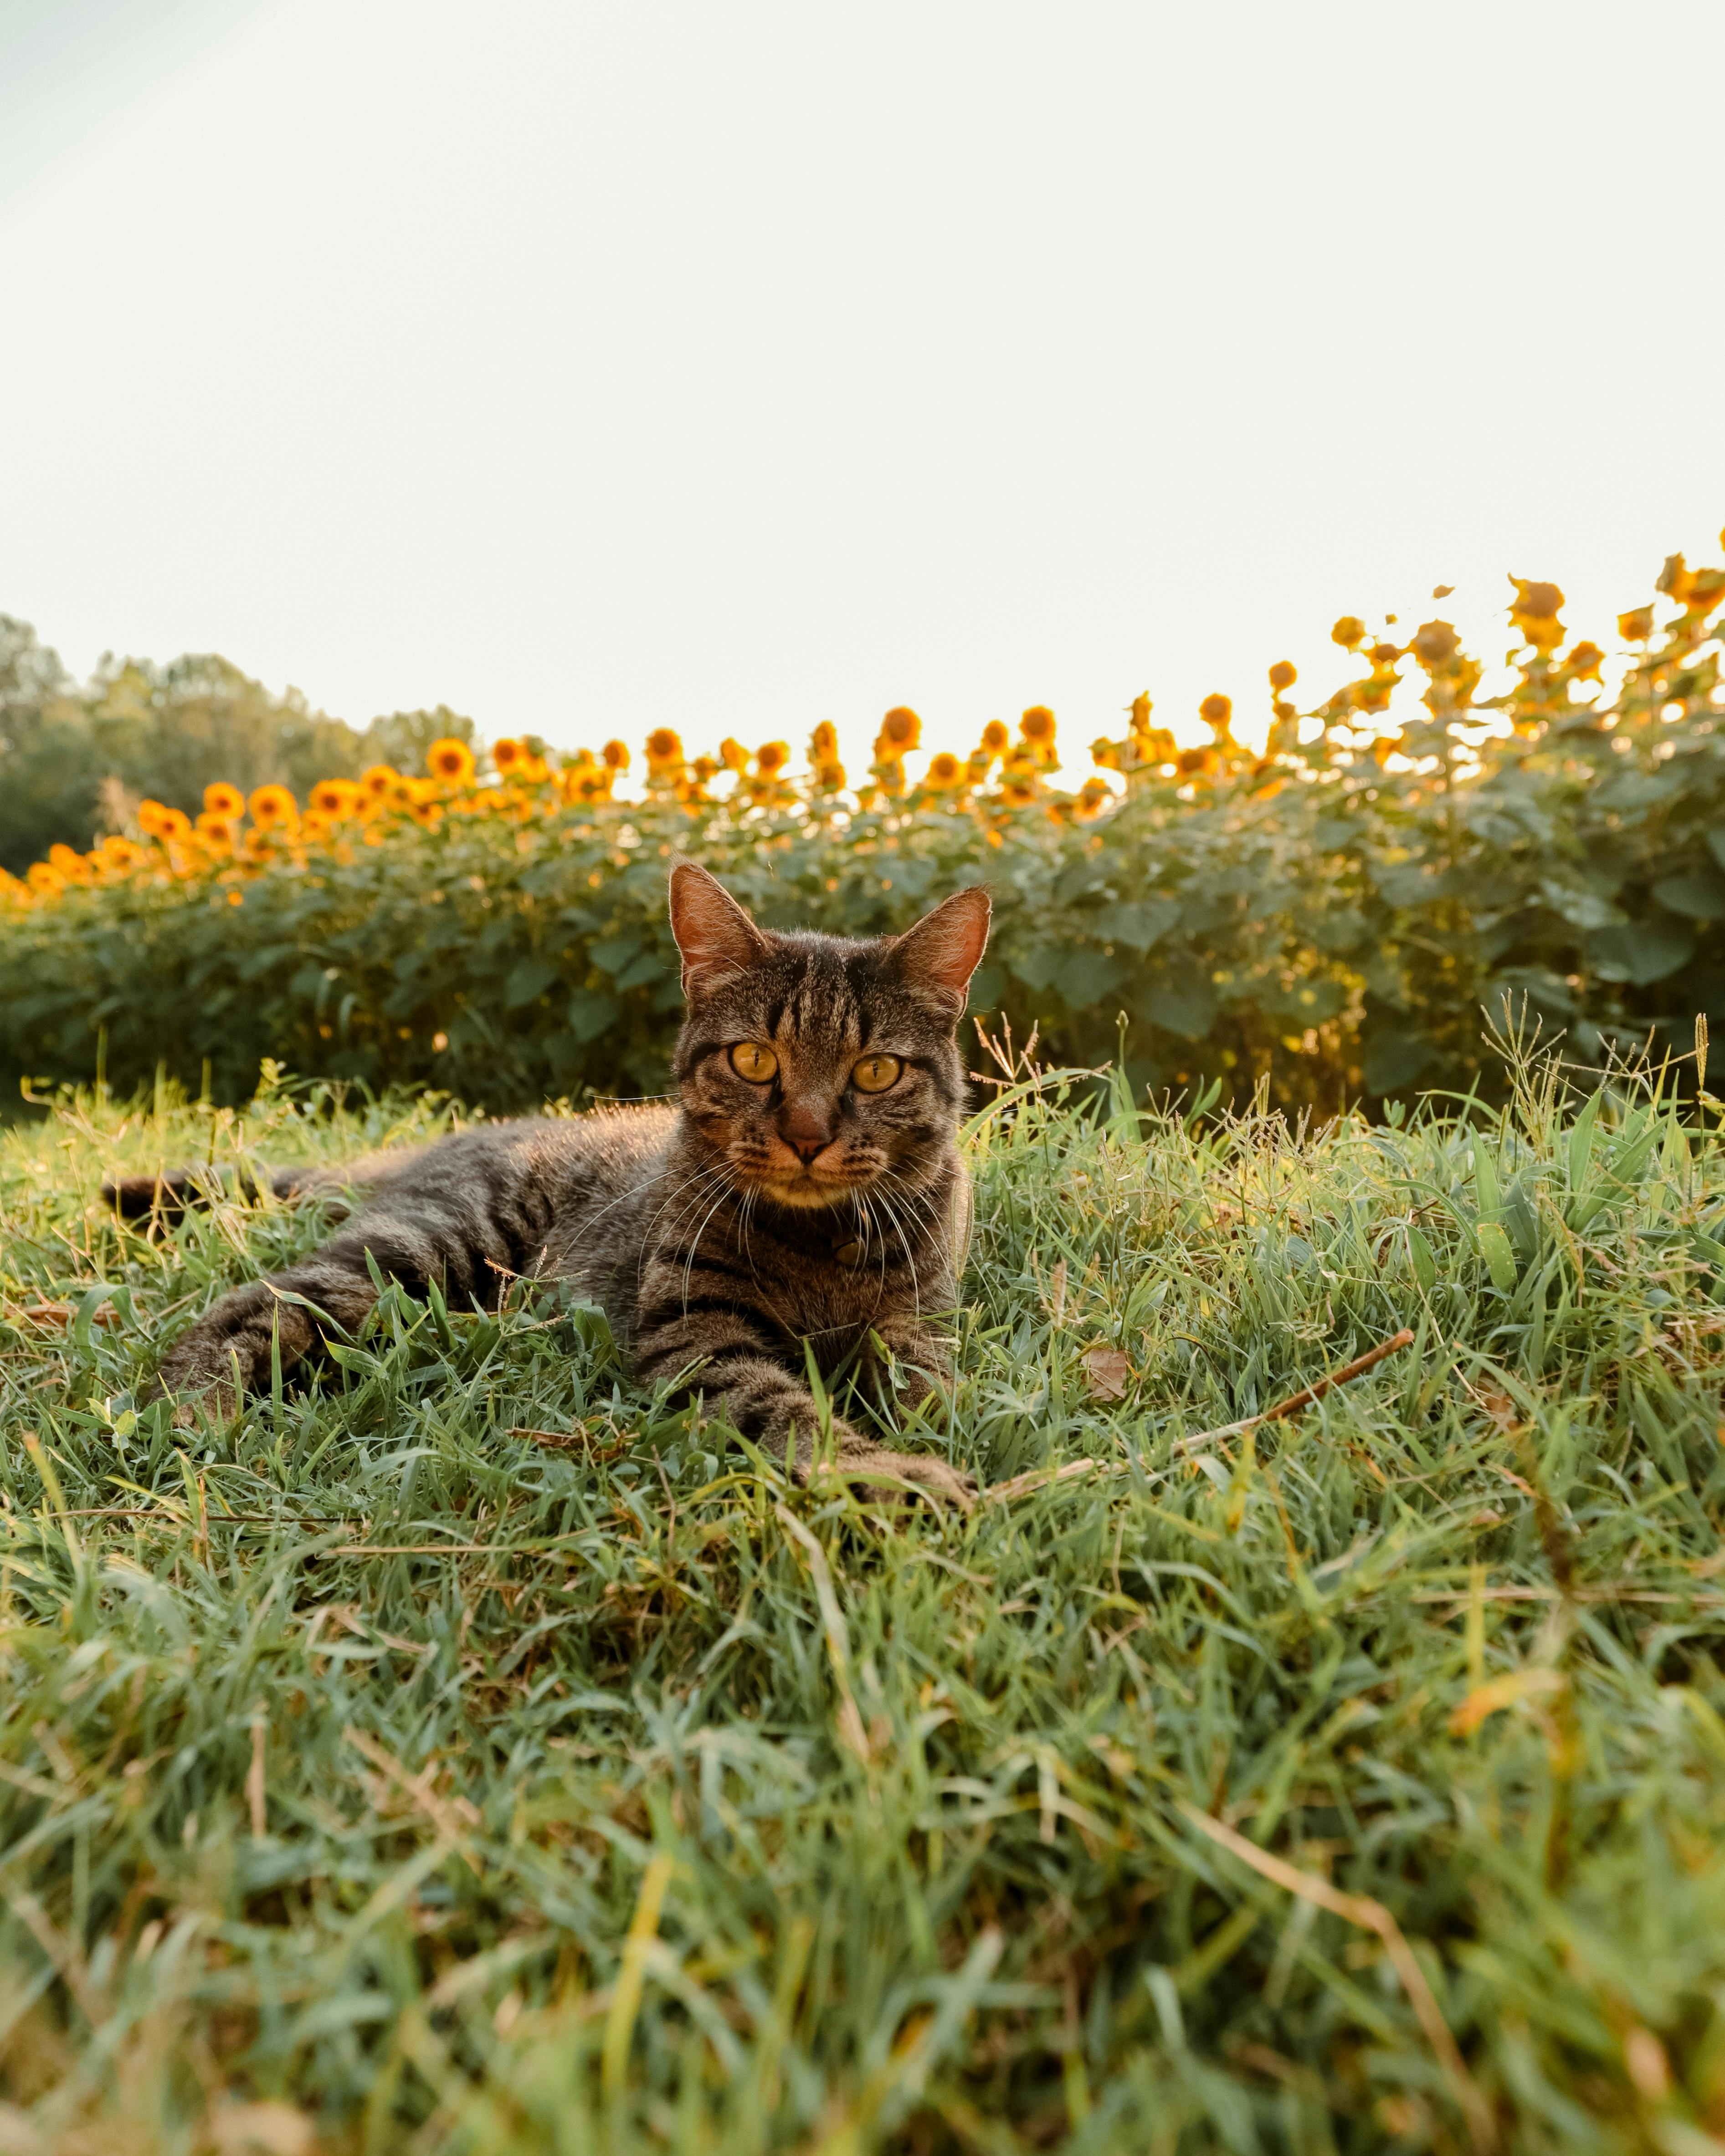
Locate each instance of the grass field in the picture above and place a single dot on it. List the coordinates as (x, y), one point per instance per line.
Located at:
(465, 1753)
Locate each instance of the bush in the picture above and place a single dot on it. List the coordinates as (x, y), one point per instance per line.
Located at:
(1329, 917)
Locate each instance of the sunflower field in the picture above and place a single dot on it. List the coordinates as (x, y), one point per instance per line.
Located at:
(1339, 915)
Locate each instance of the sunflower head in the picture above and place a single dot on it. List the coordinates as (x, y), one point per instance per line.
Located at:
(1036, 729)
(449, 761)
(732, 754)
(1635, 626)
(1350, 633)
(772, 757)
(1216, 711)
(221, 799)
(379, 781)
(995, 738)
(824, 744)
(1534, 613)
(1283, 676)
(901, 730)
(664, 750)
(335, 797)
(274, 808)
(944, 773)
(1585, 661)
(1093, 796)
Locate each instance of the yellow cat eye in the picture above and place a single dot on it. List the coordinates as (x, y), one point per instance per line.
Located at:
(875, 1073)
(750, 1059)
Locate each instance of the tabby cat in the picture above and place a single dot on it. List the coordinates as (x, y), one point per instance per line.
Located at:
(806, 1187)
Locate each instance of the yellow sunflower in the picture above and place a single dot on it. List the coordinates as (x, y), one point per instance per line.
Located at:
(274, 808)
(449, 761)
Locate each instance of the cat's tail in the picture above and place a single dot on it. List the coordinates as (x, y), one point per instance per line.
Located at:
(173, 1194)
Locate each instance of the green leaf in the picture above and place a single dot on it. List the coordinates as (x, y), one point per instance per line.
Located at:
(1644, 952)
(1499, 1258)
(1394, 1060)
(591, 1011)
(1698, 893)
(1140, 923)
(1186, 1004)
(528, 979)
(1042, 966)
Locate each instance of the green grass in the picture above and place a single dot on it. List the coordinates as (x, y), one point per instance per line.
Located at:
(414, 1780)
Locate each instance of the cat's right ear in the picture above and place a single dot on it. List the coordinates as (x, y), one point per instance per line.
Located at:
(716, 938)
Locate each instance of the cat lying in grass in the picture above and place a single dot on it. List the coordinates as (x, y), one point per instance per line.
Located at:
(804, 1195)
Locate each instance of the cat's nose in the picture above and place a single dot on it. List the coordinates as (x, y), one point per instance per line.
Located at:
(805, 1132)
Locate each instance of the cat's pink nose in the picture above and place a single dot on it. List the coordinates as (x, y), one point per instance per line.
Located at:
(805, 1132)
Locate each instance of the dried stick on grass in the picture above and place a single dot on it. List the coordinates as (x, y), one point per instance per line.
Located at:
(1370, 1916)
(1077, 1470)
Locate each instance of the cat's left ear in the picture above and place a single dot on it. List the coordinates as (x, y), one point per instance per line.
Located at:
(945, 947)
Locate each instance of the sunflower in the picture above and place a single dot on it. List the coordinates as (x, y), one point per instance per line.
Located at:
(1635, 626)
(379, 781)
(217, 831)
(314, 825)
(1283, 676)
(152, 818)
(1093, 796)
(274, 806)
(945, 772)
(1036, 731)
(824, 744)
(509, 755)
(427, 814)
(46, 881)
(995, 738)
(1350, 633)
(1534, 613)
(1585, 661)
(449, 761)
(70, 863)
(614, 756)
(772, 757)
(901, 730)
(335, 797)
(829, 778)
(1216, 711)
(221, 799)
(1105, 754)
(664, 751)
(1017, 789)
(733, 755)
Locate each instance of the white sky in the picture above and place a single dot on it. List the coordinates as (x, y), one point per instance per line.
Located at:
(591, 367)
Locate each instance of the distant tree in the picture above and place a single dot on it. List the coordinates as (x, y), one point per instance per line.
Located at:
(48, 773)
(403, 737)
(75, 761)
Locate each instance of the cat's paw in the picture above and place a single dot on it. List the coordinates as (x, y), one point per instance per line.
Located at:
(928, 1477)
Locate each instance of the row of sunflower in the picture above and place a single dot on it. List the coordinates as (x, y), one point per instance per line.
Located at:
(234, 831)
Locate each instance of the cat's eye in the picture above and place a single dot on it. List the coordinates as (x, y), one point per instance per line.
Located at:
(875, 1073)
(750, 1059)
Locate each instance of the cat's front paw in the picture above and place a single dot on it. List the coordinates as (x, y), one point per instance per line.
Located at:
(929, 1477)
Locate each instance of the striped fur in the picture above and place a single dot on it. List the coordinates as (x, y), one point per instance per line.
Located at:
(727, 1237)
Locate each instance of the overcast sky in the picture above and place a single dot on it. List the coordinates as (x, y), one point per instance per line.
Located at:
(591, 367)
